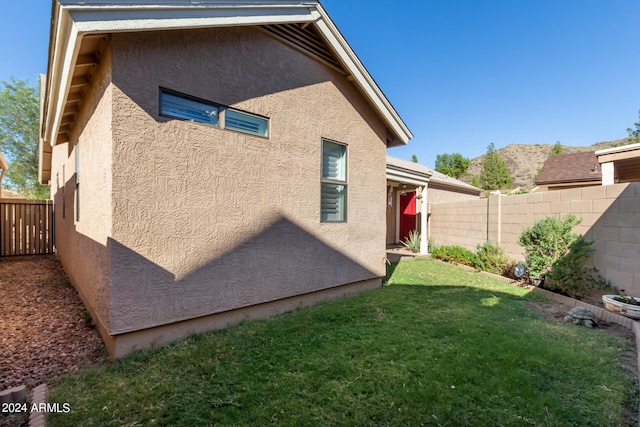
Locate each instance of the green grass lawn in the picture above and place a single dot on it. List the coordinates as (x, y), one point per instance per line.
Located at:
(437, 346)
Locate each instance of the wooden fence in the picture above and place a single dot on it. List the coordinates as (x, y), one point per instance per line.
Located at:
(26, 227)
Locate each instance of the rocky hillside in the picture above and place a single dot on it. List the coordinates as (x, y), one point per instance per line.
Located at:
(524, 161)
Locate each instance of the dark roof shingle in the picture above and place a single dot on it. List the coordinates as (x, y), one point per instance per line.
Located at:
(568, 168)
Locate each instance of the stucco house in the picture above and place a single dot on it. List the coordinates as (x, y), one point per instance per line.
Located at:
(411, 189)
(210, 162)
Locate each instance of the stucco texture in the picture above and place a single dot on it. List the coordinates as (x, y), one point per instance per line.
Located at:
(82, 245)
(206, 220)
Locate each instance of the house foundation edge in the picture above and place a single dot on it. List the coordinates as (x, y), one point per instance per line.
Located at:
(127, 343)
(121, 345)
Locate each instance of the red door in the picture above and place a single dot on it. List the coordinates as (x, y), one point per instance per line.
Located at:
(407, 214)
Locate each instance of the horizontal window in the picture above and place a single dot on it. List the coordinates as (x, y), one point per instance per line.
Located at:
(184, 107)
(245, 123)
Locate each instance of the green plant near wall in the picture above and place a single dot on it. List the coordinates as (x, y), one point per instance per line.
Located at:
(491, 258)
(546, 241)
(456, 254)
(412, 242)
(570, 275)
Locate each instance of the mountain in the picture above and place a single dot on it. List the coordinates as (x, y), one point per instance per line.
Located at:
(525, 161)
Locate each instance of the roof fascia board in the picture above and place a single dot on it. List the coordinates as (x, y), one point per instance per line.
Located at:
(568, 181)
(97, 20)
(630, 147)
(67, 45)
(362, 76)
(449, 185)
(400, 169)
(409, 178)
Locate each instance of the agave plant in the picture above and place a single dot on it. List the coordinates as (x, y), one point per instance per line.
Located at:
(412, 242)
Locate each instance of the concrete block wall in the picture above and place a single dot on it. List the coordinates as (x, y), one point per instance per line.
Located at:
(610, 217)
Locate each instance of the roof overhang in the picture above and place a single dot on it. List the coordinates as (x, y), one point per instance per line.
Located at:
(407, 176)
(74, 21)
(626, 160)
(625, 152)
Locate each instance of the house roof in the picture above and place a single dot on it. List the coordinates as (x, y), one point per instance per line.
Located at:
(440, 178)
(396, 167)
(80, 27)
(570, 168)
(626, 159)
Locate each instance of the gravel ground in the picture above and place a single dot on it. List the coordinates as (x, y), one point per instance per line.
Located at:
(45, 330)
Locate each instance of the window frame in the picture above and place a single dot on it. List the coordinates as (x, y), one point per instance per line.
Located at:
(332, 181)
(77, 192)
(221, 114)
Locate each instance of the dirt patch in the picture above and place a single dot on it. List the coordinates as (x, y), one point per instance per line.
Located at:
(628, 362)
(557, 311)
(45, 330)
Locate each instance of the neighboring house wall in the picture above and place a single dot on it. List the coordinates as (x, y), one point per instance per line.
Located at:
(439, 193)
(202, 221)
(610, 216)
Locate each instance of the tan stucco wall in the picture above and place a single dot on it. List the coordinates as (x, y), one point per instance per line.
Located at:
(82, 246)
(208, 220)
(610, 217)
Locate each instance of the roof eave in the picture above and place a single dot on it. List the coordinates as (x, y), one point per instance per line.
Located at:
(408, 176)
(71, 21)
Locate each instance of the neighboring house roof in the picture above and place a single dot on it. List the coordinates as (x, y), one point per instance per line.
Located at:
(78, 27)
(626, 159)
(409, 172)
(398, 166)
(448, 181)
(570, 168)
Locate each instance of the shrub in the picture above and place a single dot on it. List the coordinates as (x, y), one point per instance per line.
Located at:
(546, 242)
(570, 275)
(491, 258)
(455, 254)
(412, 242)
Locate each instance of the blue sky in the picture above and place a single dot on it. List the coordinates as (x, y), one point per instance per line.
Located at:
(462, 74)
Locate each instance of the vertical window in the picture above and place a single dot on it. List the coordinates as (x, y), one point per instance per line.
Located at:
(77, 182)
(333, 192)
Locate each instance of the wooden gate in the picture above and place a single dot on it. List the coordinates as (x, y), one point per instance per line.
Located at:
(26, 227)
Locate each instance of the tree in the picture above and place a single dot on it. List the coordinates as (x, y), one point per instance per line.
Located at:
(634, 134)
(494, 174)
(414, 158)
(452, 164)
(557, 149)
(19, 126)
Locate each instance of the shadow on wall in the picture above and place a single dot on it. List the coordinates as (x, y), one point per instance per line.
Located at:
(231, 66)
(616, 236)
(283, 260)
(610, 217)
